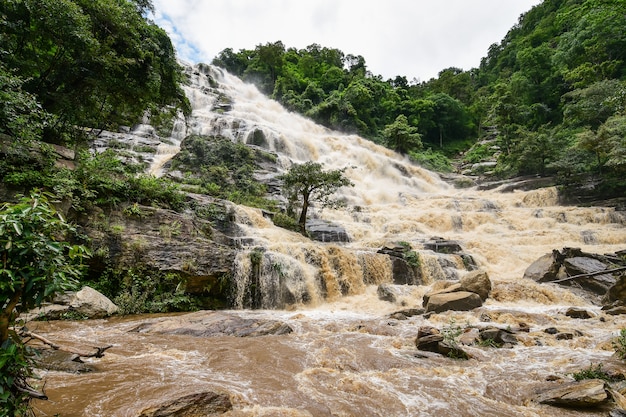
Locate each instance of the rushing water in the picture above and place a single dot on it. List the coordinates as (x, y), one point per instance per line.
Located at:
(345, 357)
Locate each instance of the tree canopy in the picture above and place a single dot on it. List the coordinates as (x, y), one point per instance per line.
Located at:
(88, 63)
(558, 73)
(309, 182)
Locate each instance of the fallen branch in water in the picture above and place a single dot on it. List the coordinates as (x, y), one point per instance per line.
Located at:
(590, 274)
(98, 353)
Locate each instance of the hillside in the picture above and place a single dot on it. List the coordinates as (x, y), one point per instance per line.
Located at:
(548, 98)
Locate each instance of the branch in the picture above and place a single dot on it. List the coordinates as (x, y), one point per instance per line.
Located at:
(97, 354)
(591, 274)
(31, 392)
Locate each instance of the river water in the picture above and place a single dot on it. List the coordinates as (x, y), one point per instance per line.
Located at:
(346, 356)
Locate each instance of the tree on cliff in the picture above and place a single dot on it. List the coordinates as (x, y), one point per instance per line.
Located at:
(308, 182)
(34, 264)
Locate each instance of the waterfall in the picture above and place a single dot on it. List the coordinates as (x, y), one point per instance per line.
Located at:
(348, 354)
(392, 201)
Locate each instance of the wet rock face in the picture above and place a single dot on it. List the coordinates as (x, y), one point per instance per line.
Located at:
(184, 244)
(193, 405)
(572, 267)
(459, 301)
(467, 294)
(586, 393)
(325, 231)
(214, 323)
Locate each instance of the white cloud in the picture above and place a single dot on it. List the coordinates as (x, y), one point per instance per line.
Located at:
(414, 38)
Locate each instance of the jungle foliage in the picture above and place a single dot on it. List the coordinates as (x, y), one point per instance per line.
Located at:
(551, 94)
(73, 64)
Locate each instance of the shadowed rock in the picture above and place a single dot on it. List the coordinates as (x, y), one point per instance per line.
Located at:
(193, 405)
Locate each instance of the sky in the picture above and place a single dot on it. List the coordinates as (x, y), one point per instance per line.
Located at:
(412, 38)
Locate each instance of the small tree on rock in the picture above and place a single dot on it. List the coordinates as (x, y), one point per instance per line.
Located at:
(308, 182)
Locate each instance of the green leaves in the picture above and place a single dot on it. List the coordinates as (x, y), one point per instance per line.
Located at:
(308, 182)
(35, 262)
(91, 63)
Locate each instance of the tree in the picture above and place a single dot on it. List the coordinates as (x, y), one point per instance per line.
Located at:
(402, 137)
(308, 182)
(91, 63)
(35, 263)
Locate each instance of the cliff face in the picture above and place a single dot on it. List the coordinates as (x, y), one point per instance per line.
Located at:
(190, 249)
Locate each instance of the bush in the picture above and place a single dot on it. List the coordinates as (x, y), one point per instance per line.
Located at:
(432, 160)
(619, 344)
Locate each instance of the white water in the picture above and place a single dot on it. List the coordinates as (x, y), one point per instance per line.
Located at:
(346, 357)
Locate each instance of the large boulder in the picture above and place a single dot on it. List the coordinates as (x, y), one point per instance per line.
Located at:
(403, 273)
(86, 303)
(585, 393)
(575, 268)
(477, 282)
(325, 231)
(194, 405)
(459, 301)
(214, 323)
(91, 303)
(543, 269)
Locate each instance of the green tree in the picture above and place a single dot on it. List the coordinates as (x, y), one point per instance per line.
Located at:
(35, 263)
(308, 182)
(92, 63)
(402, 137)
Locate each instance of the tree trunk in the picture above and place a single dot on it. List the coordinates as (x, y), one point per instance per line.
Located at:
(305, 208)
(5, 316)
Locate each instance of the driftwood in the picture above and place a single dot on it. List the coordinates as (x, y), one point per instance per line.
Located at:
(98, 353)
(590, 274)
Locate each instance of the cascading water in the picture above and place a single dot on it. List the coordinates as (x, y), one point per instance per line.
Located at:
(346, 356)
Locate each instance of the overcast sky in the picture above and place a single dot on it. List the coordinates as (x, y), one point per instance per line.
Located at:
(413, 38)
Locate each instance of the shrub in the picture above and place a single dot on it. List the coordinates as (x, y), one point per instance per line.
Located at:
(619, 344)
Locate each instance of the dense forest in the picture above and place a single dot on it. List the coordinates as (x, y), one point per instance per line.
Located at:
(551, 94)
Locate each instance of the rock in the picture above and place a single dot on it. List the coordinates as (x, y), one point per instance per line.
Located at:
(459, 301)
(469, 337)
(387, 292)
(325, 231)
(441, 245)
(551, 330)
(47, 312)
(578, 313)
(393, 293)
(92, 304)
(585, 393)
(452, 351)
(543, 269)
(564, 336)
(193, 405)
(498, 336)
(597, 284)
(445, 288)
(617, 292)
(214, 323)
(572, 267)
(477, 282)
(61, 361)
(403, 273)
(404, 314)
(429, 339)
(616, 311)
(87, 303)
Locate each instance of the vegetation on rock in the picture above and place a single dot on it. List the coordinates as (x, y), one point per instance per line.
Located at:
(308, 182)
